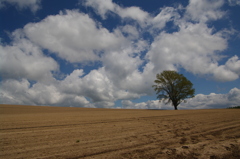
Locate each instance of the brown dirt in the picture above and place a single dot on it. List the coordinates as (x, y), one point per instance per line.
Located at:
(54, 132)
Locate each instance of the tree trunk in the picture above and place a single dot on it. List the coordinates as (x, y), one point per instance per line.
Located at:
(175, 106)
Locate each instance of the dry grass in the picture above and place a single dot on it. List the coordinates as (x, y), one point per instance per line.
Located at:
(55, 132)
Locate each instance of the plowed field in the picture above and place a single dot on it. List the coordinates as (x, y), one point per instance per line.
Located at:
(55, 132)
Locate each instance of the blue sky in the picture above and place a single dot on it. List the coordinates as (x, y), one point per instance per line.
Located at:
(106, 53)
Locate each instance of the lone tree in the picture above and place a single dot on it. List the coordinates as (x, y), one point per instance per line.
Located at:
(173, 87)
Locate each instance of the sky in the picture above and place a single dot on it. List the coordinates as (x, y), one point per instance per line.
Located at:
(106, 53)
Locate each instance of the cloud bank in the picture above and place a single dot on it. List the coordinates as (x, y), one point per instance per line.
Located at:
(200, 101)
(128, 59)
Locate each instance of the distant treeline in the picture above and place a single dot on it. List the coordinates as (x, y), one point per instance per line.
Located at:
(237, 107)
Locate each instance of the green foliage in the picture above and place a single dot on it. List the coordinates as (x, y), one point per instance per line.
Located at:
(173, 87)
(237, 107)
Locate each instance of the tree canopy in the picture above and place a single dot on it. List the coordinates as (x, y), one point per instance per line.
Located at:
(173, 87)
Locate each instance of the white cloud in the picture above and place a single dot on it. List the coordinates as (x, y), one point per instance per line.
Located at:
(106, 7)
(234, 2)
(234, 96)
(133, 12)
(205, 10)
(71, 91)
(21, 92)
(96, 85)
(222, 74)
(23, 59)
(228, 72)
(213, 100)
(33, 5)
(200, 101)
(119, 65)
(13, 91)
(102, 7)
(131, 31)
(73, 36)
(167, 14)
(233, 64)
(122, 68)
(153, 104)
(196, 49)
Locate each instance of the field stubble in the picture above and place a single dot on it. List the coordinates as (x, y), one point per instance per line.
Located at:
(56, 132)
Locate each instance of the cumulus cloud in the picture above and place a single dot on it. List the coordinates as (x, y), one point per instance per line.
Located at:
(205, 10)
(23, 59)
(213, 100)
(195, 48)
(130, 31)
(101, 7)
(233, 64)
(92, 90)
(228, 72)
(107, 6)
(97, 86)
(73, 36)
(22, 92)
(167, 14)
(223, 74)
(134, 13)
(119, 65)
(152, 104)
(33, 5)
(200, 101)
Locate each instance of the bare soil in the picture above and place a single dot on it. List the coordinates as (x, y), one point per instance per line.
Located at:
(59, 132)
